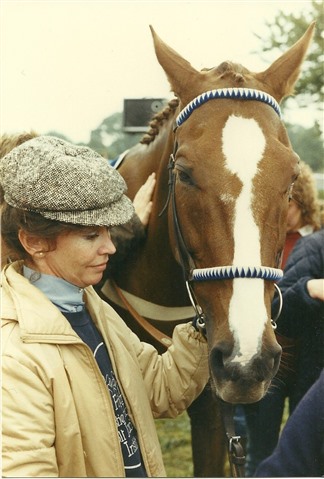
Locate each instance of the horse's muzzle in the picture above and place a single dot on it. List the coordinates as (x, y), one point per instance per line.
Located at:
(238, 383)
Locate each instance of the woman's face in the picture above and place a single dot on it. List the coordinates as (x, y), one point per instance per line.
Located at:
(294, 217)
(80, 257)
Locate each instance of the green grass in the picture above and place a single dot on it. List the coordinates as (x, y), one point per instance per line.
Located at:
(175, 440)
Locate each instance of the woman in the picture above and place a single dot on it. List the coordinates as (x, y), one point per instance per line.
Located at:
(80, 391)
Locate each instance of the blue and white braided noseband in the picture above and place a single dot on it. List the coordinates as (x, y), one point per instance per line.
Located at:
(232, 272)
(227, 93)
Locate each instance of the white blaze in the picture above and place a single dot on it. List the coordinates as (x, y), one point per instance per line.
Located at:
(243, 148)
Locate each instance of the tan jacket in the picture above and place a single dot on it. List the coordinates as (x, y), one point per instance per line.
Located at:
(58, 418)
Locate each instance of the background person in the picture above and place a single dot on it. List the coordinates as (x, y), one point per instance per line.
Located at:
(300, 450)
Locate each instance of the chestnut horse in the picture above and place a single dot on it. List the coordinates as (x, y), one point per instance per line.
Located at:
(224, 167)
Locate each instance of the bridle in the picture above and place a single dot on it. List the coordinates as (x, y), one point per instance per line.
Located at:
(191, 273)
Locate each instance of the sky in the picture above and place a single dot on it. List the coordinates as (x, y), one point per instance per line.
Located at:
(67, 65)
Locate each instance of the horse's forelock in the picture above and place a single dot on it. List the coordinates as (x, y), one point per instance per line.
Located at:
(228, 70)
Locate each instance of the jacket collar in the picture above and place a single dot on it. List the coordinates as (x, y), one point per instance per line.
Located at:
(39, 320)
(66, 296)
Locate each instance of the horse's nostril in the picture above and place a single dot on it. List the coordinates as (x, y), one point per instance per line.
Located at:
(260, 367)
(219, 359)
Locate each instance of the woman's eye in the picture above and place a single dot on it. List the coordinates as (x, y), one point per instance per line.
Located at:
(91, 236)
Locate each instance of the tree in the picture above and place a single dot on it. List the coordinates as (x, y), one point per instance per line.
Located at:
(284, 31)
(109, 139)
(58, 135)
(308, 145)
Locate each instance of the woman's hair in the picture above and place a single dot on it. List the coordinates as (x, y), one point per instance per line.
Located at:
(8, 142)
(305, 194)
(15, 219)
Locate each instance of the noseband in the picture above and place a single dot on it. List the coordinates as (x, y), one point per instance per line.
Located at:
(191, 273)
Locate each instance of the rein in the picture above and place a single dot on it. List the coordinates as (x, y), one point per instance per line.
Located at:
(163, 339)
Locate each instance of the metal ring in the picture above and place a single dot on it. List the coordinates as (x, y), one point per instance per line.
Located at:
(274, 321)
(232, 439)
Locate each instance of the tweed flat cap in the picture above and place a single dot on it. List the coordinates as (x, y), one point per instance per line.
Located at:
(64, 182)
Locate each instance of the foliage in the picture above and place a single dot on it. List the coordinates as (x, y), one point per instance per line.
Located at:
(284, 31)
(57, 135)
(109, 139)
(308, 145)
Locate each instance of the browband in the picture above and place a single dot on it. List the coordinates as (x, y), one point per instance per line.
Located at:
(227, 93)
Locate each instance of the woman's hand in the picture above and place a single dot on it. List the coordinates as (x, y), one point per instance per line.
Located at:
(143, 199)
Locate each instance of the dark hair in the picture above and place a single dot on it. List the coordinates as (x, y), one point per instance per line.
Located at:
(15, 219)
(305, 194)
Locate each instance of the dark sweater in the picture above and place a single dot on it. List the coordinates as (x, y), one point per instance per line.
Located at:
(300, 450)
(83, 325)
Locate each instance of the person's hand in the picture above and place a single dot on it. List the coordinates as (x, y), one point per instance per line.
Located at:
(315, 288)
(143, 199)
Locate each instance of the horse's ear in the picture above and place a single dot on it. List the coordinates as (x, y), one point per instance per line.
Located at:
(282, 75)
(178, 70)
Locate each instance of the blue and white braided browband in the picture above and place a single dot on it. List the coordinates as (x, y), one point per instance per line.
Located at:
(230, 93)
(232, 272)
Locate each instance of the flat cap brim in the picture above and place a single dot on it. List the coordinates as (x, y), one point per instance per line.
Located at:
(115, 214)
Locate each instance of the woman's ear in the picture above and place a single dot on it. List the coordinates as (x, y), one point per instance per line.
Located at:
(34, 245)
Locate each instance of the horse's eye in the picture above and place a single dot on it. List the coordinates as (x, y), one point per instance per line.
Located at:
(183, 176)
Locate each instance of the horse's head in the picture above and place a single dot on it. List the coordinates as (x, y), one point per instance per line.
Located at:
(231, 173)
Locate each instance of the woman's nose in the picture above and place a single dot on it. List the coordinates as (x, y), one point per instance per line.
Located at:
(107, 246)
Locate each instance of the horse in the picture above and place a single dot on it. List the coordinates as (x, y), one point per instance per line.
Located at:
(225, 168)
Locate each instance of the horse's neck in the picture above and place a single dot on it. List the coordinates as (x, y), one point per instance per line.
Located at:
(151, 271)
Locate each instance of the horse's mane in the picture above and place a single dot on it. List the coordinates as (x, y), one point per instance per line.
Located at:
(158, 120)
